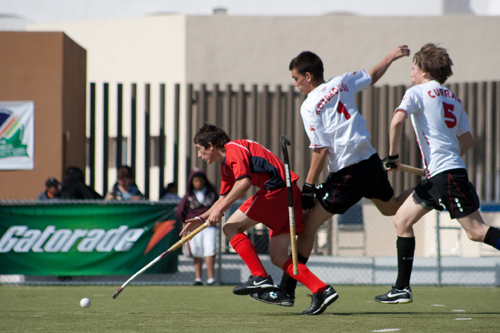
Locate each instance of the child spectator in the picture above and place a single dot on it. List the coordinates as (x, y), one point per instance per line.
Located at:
(200, 196)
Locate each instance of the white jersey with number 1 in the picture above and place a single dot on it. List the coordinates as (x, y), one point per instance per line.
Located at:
(331, 119)
(438, 119)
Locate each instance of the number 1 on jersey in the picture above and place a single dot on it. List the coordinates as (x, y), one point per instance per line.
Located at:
(341, 109)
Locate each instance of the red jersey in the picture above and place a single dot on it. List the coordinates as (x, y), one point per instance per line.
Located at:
(245, 158)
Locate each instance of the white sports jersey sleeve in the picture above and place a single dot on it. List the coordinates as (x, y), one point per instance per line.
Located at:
(331, 119)
(438, 119)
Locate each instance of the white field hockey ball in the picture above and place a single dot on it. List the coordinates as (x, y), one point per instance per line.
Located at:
(85, 303)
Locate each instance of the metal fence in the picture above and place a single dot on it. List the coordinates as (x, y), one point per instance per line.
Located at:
(263, 115)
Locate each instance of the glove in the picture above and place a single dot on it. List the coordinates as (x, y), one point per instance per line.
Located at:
(308, 196)
(390, 162)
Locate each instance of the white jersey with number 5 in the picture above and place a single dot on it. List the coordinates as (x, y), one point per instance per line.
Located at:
(331, 119)
(438, 119)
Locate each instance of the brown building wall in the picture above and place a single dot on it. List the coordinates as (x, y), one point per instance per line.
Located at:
(49, 69)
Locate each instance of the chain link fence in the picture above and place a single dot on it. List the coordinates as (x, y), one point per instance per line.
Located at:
(359, 247)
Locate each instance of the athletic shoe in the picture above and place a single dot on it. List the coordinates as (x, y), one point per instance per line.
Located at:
(210, 282)
(277, 297)
(197, 283)
(395, 296)
(254, 284)
(320, 301)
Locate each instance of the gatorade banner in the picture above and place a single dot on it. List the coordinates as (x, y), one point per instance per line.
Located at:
(87, 238)
(17, 133)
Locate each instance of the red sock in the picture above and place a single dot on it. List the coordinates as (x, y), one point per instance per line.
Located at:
(246, 250)
(305, 276)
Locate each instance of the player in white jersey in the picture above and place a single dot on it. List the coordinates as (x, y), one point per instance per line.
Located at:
(444, 135)
(338, 137)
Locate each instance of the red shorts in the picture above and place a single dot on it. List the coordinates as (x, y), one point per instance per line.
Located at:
(271, 209)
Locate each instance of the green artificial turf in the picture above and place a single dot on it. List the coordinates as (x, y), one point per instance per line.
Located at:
(216, 309)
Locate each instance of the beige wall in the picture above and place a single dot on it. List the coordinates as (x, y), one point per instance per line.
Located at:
(258, 49)
(49, 69)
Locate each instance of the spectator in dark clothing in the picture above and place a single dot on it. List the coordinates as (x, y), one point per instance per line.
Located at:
(200, 196)
(74, 187)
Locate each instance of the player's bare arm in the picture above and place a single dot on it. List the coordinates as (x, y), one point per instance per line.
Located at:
(240, 187)
(465, 141)
(379, 70)
(318, 160)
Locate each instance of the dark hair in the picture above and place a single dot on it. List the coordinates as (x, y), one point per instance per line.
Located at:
(435, 61)
(308, 62)
(74, 174)
(171, 187)
(211, 134)
(125, 172)
(52, 182)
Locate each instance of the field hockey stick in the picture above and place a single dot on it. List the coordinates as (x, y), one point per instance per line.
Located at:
(172, 248)
(286, 142)
(410, 169)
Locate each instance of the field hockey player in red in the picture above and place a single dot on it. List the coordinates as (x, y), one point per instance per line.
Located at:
(245, 164)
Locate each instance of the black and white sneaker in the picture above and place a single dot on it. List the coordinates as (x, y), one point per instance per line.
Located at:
(395, 296)
(254, 284)
(320, 301)
(276, 297)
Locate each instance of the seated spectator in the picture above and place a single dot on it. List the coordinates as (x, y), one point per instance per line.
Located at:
(170, 193)
(74, 187)
(125, 188)
(52, 190)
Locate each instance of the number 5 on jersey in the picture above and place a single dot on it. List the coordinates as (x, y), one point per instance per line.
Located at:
(450, 119)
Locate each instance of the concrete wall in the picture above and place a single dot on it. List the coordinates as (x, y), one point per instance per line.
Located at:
(256, 50)
(49, 69)
(249, 50)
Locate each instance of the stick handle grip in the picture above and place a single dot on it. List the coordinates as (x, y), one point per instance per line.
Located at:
(293, 241)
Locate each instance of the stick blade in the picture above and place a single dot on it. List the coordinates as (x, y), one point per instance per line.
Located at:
(115, 295)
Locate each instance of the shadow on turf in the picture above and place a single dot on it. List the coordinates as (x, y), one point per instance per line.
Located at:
(380, 313)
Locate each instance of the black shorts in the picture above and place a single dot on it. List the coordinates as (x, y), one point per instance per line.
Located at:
(346, 187)
(450, 190)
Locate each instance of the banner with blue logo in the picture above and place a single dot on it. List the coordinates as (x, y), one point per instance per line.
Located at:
(17, 135)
